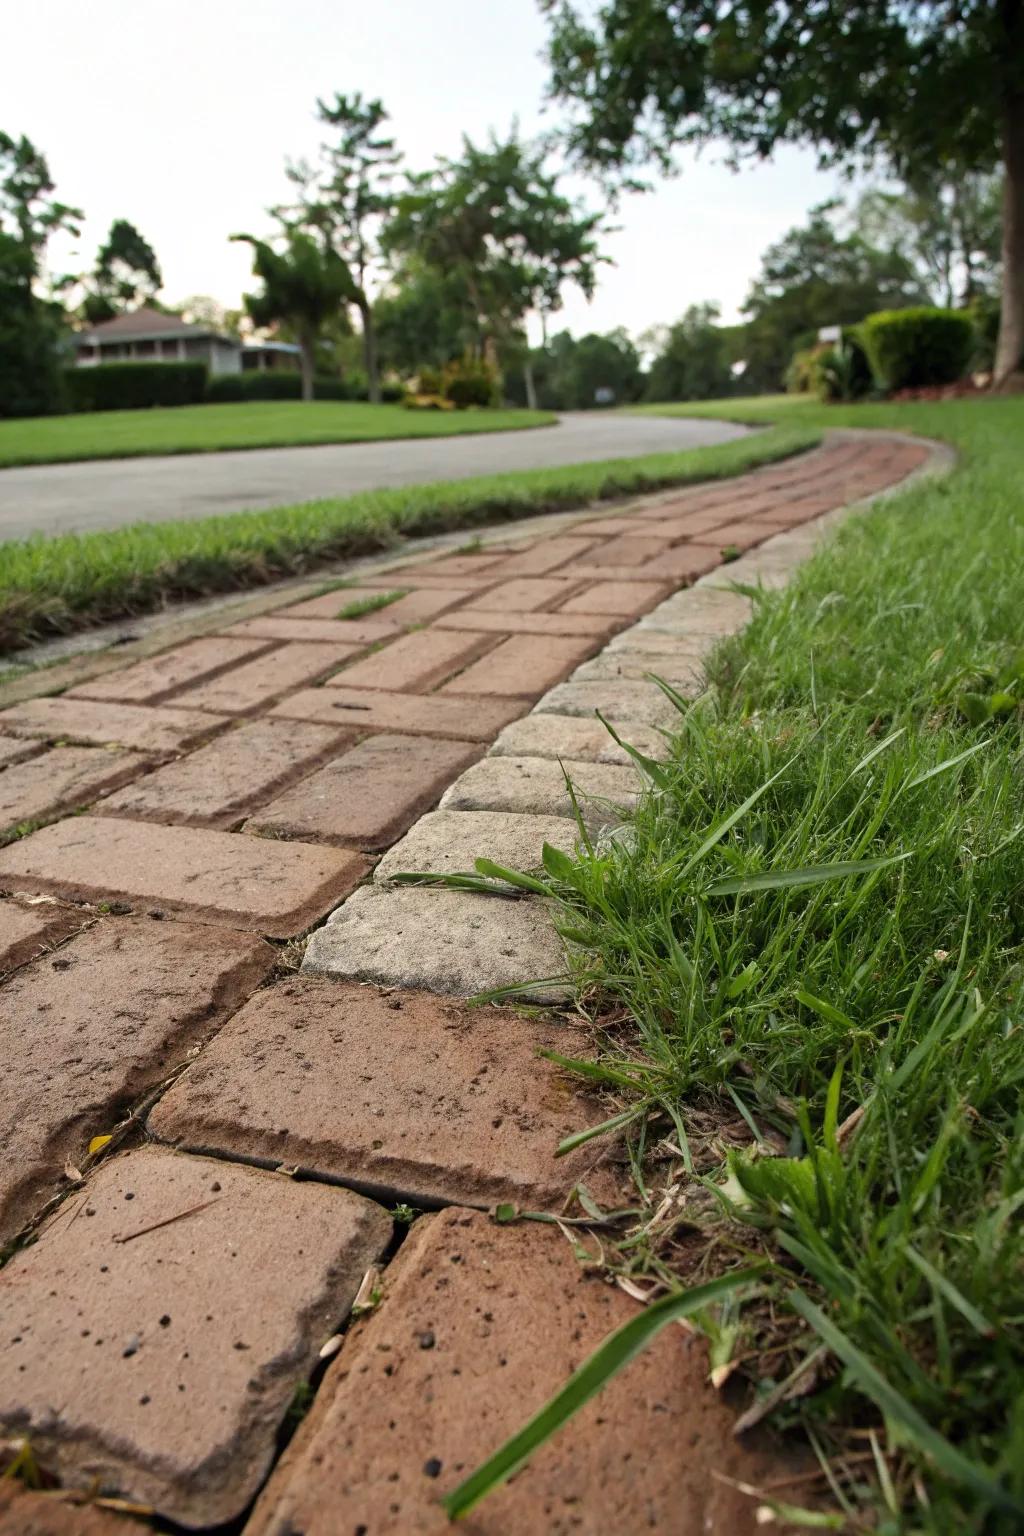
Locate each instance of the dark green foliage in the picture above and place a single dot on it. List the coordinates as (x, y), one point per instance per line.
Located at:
(134, 386)
(693, 358)
(843, 372)
(127, 274)
(30, 339)
(470, 382)
(568, 372)
(272, 385)
(304, 286)
(910, 348)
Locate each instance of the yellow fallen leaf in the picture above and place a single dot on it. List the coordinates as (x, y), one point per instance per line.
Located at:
(98, 1143)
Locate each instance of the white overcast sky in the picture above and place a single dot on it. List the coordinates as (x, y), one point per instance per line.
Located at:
(179, 117)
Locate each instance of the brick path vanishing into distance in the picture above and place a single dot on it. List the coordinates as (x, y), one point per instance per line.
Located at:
(173, 831)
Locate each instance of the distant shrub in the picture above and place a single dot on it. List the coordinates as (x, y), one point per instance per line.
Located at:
(272, 385)
(843, 372)
(430, 382)
(910, 348)
(802, 373)
(470, 382)
(428, 403)
(135, 386)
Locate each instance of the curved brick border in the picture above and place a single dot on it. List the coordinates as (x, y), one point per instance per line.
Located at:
(269, 768)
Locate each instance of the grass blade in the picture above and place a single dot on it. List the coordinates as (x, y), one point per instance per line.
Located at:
(607, 1360)
(730, 821)
(810, 874)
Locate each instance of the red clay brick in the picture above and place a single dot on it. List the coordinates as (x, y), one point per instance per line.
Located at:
(744, 533)
(546, 555)
(623, 598)
(522, 666)
(63, 779)
(466, 566)
(629, 549)
(125, 725)
(480, 1324)
(260, 682)
(91, 1028)
(527, 594)
(222, 782)
(696, 524)
(237, 882)
(591, 625)
(153, 680)
(369, 796)
(345, 631)
(26, 1513)
(410, 713)
(14, 751)
(604, 527)
(686, 562)
(173, 1358)
(25, 931)
(449, 1103)
(415, 662)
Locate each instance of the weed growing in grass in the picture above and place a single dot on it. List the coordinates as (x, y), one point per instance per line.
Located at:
(363, 605)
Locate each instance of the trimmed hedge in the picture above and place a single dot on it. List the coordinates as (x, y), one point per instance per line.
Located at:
(135, 386)
(908, 348)
(284, 385)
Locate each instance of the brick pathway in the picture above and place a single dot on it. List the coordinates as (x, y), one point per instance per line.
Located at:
(168, 831)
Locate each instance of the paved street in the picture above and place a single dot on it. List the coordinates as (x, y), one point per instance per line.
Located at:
(73, 498)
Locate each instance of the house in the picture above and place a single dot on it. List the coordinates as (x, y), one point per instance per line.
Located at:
(270, 357)
(149, 336)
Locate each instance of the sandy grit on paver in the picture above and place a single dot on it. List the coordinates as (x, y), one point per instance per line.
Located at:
(252, 883)
(367, 797)
(403, 1095)
(174, 1347)
(442, 941)
(87, 1030)
(14, 751)
(26, 930)
(478, 1327)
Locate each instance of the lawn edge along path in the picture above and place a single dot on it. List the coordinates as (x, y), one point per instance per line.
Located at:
(178, 1294)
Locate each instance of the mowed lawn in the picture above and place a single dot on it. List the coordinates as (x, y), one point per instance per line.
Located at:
(248, 424)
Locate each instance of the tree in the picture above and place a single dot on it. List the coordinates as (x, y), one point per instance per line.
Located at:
(921, 86)
(347, 198)
(420, 319)
(202, 309)
(304, 286)
(31, 323)
(496, 223)
(948, 227)
(813, 277)
(692, 360)
(126, 276)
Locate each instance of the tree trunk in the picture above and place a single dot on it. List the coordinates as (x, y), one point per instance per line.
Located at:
(531, 388)
(370, 352)
(307, 364)
(1010, 348)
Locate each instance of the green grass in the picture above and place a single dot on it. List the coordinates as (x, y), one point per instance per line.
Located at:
(252, 424)
(804, 967)
(68, 583)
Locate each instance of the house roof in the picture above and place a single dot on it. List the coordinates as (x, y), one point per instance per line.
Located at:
(270, 346)
(145, 325)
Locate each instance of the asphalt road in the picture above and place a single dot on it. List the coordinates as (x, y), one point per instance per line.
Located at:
(74, 498)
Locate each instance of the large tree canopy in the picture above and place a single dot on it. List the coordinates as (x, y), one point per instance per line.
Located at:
(127, 274)
(304, 287)
(922, 85)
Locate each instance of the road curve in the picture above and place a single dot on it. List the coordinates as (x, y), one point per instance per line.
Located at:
(76, 498)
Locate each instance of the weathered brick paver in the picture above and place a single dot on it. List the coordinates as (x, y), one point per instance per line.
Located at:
(479, 1326)
(88, 1029)
(25, 1513)
(352, 1072)
(101, 724)
(274, 888)
(415, 663)
(63, 779)
(449, 842)
(536, 786)
(448, 1104)
(450, 942)
(367, 797)
(150, 682)
(164, 1332)
(233, 775)
(251, 687)
(453, 719)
